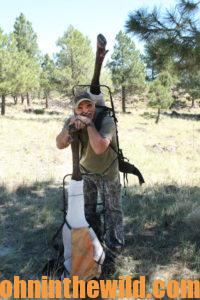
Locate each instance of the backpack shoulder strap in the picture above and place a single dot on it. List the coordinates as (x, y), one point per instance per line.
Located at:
(105, 111)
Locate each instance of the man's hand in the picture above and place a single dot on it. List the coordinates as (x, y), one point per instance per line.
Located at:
(80, 122)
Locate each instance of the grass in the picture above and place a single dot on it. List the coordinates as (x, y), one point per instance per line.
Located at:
(162, 218)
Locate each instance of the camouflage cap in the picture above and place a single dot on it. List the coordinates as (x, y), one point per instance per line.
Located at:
(82, 97)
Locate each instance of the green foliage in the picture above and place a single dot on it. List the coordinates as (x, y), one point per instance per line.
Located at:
(19, 73)
(28, 74)
(174, 34)
(7, 63)
(106, 77)
(25, 37)
(159, 94)
(63, 80)
(126, 66)
(27, 57)
(191, 82)
(47, 74)
(167, 78)
(74, 61)
(157, 59)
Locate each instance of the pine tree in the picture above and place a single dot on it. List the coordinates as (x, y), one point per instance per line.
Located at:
(191, 82)
(7, 67)
(174, 34)
(26, 41)
(25, 36)
(47, 76)
(171, 36)
(74, 61)
(127, 68)
(160, 95)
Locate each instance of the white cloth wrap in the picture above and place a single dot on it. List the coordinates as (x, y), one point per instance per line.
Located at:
(76, 219)
(97, 98)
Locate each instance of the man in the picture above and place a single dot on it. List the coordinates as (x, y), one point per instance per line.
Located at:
(97, 156)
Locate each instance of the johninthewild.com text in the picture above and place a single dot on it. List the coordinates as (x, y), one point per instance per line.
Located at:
(123, 287)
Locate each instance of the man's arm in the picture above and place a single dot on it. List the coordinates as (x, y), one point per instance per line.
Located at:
(63, 139)
(98, 143)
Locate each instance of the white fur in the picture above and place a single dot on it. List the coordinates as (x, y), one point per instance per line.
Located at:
(75, 214)
(97, 98)
(76, 219)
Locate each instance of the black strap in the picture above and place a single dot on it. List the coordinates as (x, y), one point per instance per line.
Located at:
(127, 168)
(68, 225)
(105, 111)
(56, 234)
(99, 260)
(58, 231)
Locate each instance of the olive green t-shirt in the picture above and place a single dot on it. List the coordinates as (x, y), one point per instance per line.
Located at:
(106, 163)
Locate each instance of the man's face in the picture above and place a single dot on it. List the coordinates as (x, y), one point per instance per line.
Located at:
(85, 108)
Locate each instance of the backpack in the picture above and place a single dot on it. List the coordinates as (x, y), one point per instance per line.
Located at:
(124, 166)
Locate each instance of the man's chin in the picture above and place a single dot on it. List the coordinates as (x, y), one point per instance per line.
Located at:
(90, 116)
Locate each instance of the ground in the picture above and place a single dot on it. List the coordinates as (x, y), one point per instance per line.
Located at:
(162, 218)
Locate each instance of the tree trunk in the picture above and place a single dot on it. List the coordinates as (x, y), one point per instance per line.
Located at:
(76, 175)
(28, 99)
(158, 116)
(192, 103)
(3, 104)
(15, 99)
(22, 99)
(46, 101)
(72, 65)
(123, 99)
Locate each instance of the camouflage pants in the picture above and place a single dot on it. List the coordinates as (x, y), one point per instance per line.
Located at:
(110, 195)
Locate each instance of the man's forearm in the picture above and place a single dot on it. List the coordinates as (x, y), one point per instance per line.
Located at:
(97, 142)
(63, 139)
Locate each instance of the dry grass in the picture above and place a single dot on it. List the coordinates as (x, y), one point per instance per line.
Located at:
(162, 220)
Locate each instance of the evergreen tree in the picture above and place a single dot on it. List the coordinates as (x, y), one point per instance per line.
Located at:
(74, 61)
(26, 41)
(174, 34)
(29, 74)
(7, 67)
(191, 82)
(155, 61)
(25, 36)
(160, 96)
(47, 76)
(127, 68)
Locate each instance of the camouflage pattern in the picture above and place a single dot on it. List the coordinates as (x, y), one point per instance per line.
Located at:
(109, 193)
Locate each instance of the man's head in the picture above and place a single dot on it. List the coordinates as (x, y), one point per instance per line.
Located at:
(84, 105)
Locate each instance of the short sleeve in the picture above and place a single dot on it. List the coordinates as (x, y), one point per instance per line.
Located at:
(108, 128)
